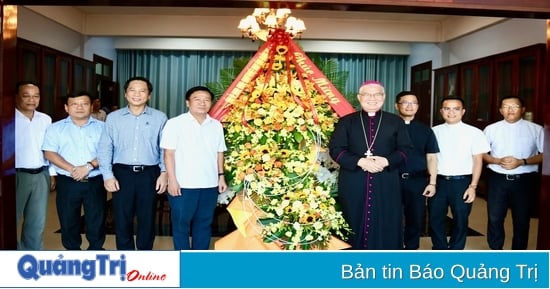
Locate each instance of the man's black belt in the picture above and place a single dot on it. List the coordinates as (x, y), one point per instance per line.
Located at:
(512, 177)
(452, 178)
(410, 175)
(31, 171)
(135, 168)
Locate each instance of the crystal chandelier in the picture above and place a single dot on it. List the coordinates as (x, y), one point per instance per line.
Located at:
(262, 23)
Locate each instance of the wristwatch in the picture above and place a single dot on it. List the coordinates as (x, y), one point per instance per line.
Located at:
(89, 166)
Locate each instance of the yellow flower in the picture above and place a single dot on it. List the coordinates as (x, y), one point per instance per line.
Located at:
(277, 134)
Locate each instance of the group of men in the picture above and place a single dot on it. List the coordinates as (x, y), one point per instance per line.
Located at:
(131, 155)
(392, 169)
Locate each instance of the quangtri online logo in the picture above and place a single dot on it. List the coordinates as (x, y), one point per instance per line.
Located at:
(57, 269)
(29, 267)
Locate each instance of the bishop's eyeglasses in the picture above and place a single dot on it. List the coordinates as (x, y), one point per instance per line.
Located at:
(376, 95)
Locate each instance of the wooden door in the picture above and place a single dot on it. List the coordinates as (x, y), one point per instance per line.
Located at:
(8, 228)
(521, 73)
(476, 90)
(421, 84)
(446, 84)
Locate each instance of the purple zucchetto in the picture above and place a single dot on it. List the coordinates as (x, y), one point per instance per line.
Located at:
(372, 82)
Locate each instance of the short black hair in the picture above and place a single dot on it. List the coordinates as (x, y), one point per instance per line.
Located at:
(23, 83)
(521, 102)
(198, 88)
(79, 94)
(140, 78)
(453, 97)
(403, 93)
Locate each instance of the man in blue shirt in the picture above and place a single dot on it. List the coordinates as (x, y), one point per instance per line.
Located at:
(132, 165)
(71, 146)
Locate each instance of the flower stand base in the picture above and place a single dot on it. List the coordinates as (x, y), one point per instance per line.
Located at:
(236, 241)
(248, 234)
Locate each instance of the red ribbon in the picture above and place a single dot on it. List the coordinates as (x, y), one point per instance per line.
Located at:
(293, 56)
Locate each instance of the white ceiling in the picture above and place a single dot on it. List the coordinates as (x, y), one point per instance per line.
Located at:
(332, 14)
(222, 22)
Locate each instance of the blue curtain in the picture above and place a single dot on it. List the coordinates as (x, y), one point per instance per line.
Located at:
(172, 72)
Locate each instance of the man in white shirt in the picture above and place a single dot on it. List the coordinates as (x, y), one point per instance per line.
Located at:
(516, 152)
(460, 160)
(33, 181)
(194, 145)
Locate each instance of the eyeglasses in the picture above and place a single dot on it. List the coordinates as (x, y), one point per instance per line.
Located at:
(407, 103)
(511, 107)
(377, 95)
(456, 109)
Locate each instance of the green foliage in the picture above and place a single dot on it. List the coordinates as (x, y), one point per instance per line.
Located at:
(329, 67)
(227, 76)
(352, 98)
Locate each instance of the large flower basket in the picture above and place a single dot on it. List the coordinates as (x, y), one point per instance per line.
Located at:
(278, 116)
(248, 235)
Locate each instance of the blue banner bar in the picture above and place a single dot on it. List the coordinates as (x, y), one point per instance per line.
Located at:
(364, 269)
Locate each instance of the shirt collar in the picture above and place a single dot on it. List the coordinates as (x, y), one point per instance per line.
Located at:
(190, 116)
(90, 120)
(126, 110)
(18, 113)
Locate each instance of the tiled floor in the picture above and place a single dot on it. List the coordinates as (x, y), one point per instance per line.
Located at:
(478, 221)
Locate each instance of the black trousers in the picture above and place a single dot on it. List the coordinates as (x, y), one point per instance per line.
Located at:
(414, 210)
(512, 192)
(450, 191)
(72, 196)
(137, 198)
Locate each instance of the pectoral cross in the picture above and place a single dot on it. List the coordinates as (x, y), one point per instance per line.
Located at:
(369, 153)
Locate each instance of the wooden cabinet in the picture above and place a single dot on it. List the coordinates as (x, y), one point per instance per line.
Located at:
(56, 73)
(83, 75)
(446, 82)
(421, 84)
(28, 61)
(48, 90)
(521, 73)
(476, 90)
(483, 82)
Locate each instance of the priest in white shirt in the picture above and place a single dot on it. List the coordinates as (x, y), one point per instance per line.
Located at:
(516, 152)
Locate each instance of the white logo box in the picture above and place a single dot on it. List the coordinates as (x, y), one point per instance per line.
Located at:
(100, 269)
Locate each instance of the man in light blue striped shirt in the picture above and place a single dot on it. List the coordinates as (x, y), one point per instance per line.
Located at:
(71, 146)
(132, 165)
